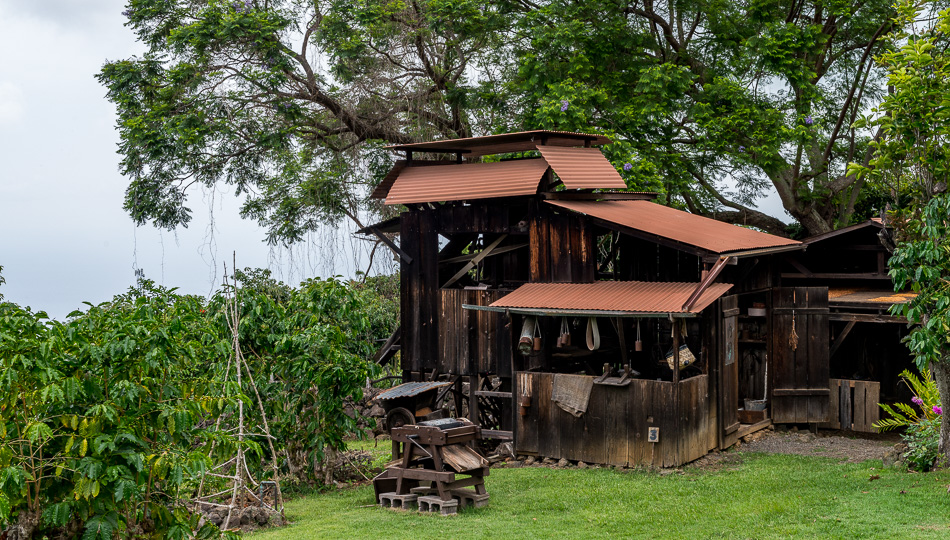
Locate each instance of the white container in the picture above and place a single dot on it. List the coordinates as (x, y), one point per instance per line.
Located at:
(756, 312)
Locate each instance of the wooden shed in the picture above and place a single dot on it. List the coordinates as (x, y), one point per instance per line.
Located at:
(590, 323)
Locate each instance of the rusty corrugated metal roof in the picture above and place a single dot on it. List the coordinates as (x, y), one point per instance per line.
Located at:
(467, 181)
(630, 296)
(505, 142)
(677, 225)
(382, 189)
(582, 168)
(410, 389)
(877, 223)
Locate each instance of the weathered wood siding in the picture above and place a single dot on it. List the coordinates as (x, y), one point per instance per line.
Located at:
(562, 248)
(470, 338)
(799, 374)
(614, 429)
(419, 291)
(854, 405)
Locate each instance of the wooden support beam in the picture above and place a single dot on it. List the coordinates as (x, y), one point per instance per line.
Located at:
(706, 282)
(385, 239)
(471, 256)
(840, 339)
(390, 347)
(603, 196)
(475, 260)
(487, 393)
(799, 266)
(839, 275)
(866, 317)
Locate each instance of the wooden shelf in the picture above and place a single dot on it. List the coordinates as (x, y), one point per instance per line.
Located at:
(753, 341)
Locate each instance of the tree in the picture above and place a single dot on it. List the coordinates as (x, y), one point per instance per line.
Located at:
(913, 156)
(286, 100)
(717, 101)
(712, 103)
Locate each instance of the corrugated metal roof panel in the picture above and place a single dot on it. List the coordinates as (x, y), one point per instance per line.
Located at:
(702, 232)
(582, 168)
(382, 189)
(631, 296)
(410, 389)
(467, 181)
(504, 142)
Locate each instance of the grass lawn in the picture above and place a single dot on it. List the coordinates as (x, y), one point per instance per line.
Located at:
(760, 496)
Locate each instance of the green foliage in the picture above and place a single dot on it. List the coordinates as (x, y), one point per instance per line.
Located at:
(100, 424)
(912, 157)
(922, 429)
(711, 103)
(923, 449)
(926, 397)
(226, 93)
(312, 347)
(719, 100)
(107, 419)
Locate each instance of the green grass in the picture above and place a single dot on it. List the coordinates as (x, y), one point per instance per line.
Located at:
(761, 496)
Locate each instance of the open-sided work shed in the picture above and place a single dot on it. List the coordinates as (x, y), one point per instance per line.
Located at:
(595, 324)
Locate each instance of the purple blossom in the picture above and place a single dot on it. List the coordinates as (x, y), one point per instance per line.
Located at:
(938, 410)
(917, 401)
(244, 6)
(564, 104)
(127, 13)
(742, 148)
(809, 121)
(627, 166)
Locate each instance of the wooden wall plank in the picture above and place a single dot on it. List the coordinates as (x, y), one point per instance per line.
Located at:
(617, 424)
(858, 410)
(872, 412)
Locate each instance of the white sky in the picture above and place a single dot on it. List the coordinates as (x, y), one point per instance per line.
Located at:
(64, 238)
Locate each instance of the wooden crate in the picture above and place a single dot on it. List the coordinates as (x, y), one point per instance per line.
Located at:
(854, 405)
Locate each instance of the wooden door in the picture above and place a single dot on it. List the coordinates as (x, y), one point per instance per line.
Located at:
(728, 372)
(798, 359)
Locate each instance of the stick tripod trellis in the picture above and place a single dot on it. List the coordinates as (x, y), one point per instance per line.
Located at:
(241, 477)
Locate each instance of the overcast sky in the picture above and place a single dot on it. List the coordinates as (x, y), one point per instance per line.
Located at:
(64, 237)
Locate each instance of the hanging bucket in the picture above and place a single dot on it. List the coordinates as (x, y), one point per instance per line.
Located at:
(638, 344)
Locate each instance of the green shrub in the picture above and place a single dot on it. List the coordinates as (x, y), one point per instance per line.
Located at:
(100, 423)
(921, 420)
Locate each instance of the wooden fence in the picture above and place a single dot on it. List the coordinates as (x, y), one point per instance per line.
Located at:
(615, 428)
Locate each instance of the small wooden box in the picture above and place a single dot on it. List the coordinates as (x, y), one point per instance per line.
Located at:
(751, 417)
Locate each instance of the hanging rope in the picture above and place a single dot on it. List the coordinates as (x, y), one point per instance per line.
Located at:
(593, 334)
(793, 336)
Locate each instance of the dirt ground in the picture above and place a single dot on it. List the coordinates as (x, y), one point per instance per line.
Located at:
(846, 446)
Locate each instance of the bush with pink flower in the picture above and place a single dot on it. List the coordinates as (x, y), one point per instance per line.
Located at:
(920, 420)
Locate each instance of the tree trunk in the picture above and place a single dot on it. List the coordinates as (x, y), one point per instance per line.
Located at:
(941, 373)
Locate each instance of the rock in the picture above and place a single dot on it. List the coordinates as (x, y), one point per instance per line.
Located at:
(581, 465)
(530, 460)
(563, 463)
(505, 449)
(376, 412)
(515, 464)
(893, 456)
(548, 461)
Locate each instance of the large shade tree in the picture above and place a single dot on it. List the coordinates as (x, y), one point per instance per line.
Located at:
(714, 103)
(913, 158)
(286, 100)
(719, 101)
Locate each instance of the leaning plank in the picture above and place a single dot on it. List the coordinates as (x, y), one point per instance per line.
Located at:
(462, 458)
